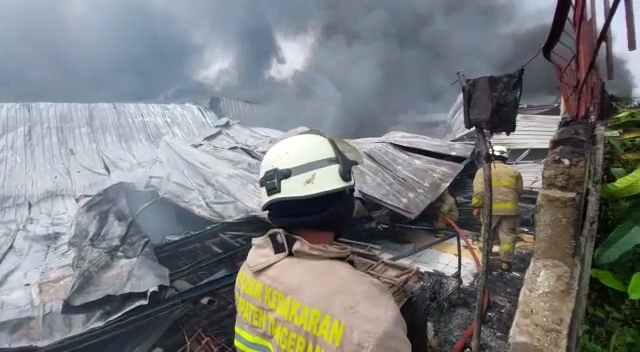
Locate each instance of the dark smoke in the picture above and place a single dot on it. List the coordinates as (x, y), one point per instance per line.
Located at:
(373, 61)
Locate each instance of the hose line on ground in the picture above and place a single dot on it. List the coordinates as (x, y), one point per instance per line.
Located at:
(459, 346)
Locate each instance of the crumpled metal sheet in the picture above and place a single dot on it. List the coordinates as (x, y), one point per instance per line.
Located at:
(113, 254)
(430, 144)
(54, 157)
(403, 182)
(211, 185)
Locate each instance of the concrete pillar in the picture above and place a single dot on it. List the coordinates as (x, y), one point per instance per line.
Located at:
(541, 323)
(556, 224)
(543, 320)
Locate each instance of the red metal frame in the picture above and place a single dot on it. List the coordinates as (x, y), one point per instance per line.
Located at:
(575, 29)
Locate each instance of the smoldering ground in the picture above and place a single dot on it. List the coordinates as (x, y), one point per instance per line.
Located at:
(371, 61)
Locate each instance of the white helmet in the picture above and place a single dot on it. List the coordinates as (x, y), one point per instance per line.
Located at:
(500, 151)
(303, 166)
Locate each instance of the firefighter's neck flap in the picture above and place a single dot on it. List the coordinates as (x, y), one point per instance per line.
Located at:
(277, 245)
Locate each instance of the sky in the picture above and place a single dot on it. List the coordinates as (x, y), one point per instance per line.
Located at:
(354, 68)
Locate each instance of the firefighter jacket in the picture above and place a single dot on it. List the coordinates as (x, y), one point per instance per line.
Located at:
(446, 206)
(294, 296)
(507, 188)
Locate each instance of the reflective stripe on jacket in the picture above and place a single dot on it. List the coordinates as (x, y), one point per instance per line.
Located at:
(507, 188)
(312, 300)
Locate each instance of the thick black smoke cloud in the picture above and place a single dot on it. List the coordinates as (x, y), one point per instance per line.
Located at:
(372, 62)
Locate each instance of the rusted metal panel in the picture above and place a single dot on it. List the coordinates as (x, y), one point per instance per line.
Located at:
(631, 25)
(610, 75)
(580, 81)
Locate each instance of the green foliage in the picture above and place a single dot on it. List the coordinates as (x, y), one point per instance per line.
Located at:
(626, 186)
(616, 261)
(621, 241)
(612, 320)
(634, 287)
(609, 279)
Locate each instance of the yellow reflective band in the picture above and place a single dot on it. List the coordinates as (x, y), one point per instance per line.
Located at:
(246, 342)
(504, 205)
(477, 201)
(265, 309)
(241, 347)
(506, 247)
(504, 183)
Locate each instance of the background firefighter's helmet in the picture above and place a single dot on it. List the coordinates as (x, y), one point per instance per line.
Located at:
(499, 151)
(307, 165)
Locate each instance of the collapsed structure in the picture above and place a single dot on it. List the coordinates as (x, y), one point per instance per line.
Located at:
(132, 219)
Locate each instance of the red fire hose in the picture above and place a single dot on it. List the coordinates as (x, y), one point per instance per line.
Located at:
(459, 346)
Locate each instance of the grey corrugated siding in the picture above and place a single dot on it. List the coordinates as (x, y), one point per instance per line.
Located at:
(532, 132)
(233, 108)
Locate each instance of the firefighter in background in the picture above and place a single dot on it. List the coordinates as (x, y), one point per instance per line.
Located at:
(445, 206)
(296, 291)
(507, 189)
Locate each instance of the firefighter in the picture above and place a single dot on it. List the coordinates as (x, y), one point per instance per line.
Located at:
(445, 206)
(295, 291)
(507, 189)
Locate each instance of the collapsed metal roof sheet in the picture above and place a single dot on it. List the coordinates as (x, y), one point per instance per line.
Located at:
(55, 157)
(429, 144)
(231, 108)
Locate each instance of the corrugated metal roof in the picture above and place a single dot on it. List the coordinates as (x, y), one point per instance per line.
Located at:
(410, 140)
(549, 110)
(232, 108)
(54, 156)
(62, 149)
(532, 131)
(236, 108)
(455, 121)
(202, 95)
